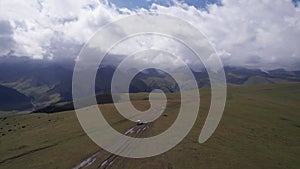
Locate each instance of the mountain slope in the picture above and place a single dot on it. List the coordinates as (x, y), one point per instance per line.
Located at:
(11, 99)
(48, 82)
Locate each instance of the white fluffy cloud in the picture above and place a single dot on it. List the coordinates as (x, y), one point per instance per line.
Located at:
(257, 33)
(38, 26)
(264, 34)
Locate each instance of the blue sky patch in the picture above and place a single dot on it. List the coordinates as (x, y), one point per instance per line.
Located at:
(296, 2)
(134, 4)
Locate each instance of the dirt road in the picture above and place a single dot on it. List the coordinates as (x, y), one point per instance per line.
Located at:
(134, 131)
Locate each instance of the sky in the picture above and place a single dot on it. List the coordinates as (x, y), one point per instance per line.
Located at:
(135, 4)
(261, 34)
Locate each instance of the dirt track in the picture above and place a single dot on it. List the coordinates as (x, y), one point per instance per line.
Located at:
(107, 162)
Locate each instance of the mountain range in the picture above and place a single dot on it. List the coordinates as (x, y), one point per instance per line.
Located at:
(28, 84)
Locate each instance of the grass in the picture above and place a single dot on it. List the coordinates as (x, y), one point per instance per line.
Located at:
(259, 129)
(29, 88)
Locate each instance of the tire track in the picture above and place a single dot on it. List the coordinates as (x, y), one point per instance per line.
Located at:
(26, 153)
(138, 130)
(134, 131)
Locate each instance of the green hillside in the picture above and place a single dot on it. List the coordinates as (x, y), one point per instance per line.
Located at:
(11, 99)
(259, 129)
(48, 83)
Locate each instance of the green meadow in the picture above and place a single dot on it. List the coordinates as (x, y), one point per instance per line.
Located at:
(260, 128)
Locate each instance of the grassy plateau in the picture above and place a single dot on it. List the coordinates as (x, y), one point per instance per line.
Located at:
(260, 128)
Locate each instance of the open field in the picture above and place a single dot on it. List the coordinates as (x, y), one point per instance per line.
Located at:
(259, 129)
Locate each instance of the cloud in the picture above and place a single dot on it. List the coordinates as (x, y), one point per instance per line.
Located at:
(6, 39)
(46, 29)
(256, 34)
(268, 31)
